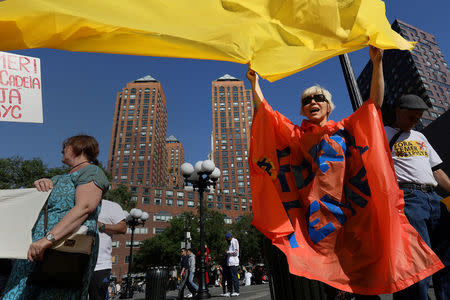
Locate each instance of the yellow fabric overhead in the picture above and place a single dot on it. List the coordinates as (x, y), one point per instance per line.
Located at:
(278, 37)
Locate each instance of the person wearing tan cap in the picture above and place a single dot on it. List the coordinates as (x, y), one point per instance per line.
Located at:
(418, 170)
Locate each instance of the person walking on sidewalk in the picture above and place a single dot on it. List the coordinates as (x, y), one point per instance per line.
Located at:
(193, 288)
(233, 265)
(184, 273)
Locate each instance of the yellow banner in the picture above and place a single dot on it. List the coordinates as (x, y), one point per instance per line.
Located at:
(278, 37)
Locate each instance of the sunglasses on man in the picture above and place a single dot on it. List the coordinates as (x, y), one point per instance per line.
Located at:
(318, 98)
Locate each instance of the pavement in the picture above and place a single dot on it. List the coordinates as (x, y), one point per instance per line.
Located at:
(253, 292)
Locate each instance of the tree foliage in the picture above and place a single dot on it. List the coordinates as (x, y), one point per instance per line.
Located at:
(164, 248)
(15, 172)
(122, 196)
(250, 240)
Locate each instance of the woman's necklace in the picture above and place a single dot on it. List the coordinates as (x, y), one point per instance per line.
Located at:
(78, 165)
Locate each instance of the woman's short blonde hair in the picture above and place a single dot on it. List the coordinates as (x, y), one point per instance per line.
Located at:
(317, 89)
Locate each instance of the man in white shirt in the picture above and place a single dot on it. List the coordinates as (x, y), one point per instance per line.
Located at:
(418, 171)
(110, 221)
(233, 264)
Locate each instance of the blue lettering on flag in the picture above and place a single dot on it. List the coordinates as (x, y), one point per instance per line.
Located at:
(287, 206)
(329, 154)
(321, 233)
(301, 181)
(292, 240)
(283, 169)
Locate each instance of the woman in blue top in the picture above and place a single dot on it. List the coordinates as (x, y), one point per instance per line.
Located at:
(74, 201)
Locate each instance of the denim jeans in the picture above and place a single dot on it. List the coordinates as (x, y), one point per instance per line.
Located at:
(430, 218)
(233, 279)
(191, 281)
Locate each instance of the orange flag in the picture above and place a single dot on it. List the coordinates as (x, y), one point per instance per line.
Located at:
(329, 199)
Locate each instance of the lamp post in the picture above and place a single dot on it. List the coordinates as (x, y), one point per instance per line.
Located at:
(135, 218)
(203, 175)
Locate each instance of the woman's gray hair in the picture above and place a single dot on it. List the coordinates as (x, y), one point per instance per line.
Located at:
(317, 89)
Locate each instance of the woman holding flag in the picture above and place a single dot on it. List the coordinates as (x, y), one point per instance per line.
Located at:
(325, 194)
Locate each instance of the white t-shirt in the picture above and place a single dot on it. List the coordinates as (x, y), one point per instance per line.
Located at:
(111, 213)
(233, 253)
(248, 278)
(413, 157)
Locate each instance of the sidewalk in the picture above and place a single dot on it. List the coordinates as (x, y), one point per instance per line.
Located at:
(253, 292)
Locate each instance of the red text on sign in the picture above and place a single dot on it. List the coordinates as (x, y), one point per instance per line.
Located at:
(11, 110)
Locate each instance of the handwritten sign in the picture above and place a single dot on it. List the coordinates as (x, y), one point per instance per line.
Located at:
(20, 88)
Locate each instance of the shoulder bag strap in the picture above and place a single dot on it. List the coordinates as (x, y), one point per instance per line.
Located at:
(45, 216)
(394, 139)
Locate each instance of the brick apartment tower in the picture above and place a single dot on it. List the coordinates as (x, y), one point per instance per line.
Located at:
(423, 72)
(137, 154)
(232, 109)
(175, 156)
(141, 158)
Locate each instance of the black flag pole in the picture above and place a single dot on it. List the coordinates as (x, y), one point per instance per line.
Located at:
(350, 80)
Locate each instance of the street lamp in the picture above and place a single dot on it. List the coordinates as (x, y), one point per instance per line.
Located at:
(133, 219)
(202, 175)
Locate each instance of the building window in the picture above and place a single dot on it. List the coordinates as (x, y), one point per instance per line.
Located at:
(190, 203)
(135, 244)
(169, 202)
(180, 195)
(228, 220)
(157, 201)
(158, 230)
(145, 200)
(162, 217)
(180, 203)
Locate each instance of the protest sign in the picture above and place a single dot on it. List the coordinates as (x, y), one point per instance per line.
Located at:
(20, 88)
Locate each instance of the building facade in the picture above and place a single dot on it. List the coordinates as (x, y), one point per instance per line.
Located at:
(140, 158)
(137, 154)
(175, 157)
(232, 111)
(423, 72)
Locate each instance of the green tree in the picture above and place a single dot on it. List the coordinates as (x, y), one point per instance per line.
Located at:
(15, 172)
(250, 240)
(215, 231)
(164, 248)
(122, 196)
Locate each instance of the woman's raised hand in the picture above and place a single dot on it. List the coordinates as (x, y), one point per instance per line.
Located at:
(43, 184)
(375, 54)
(252, 76)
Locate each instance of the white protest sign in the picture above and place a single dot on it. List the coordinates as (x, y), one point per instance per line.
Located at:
(20, 88)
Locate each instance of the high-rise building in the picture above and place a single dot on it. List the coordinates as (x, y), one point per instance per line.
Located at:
(232, 109)
(141, 158)
(423, 72)
(138, 155)
(175, 156)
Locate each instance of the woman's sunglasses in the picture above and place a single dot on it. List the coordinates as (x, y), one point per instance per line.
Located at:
(318, 98)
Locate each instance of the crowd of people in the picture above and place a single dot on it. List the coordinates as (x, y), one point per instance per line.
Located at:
(226, 273)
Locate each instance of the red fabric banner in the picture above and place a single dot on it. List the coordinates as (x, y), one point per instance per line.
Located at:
(329, 199)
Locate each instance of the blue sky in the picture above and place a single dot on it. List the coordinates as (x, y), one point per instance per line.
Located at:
(79, 90)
